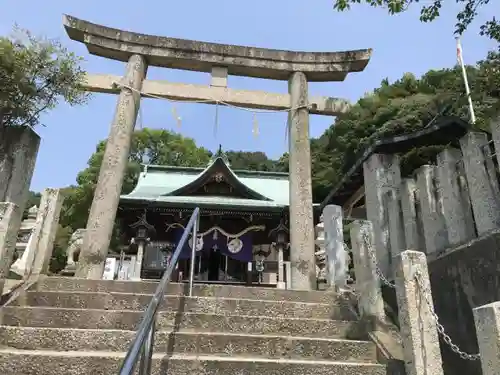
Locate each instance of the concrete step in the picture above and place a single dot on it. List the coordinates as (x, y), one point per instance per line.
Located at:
(200, 290)
(129, 320)
(24, 362)
(209, 343)
(206, 305)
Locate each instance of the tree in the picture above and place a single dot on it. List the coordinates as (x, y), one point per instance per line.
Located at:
(153, 146)
(251, 161)
(35, 74)
(430, 12)
(402, 107)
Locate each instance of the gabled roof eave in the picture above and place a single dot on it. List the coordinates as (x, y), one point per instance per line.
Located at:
(233, 180)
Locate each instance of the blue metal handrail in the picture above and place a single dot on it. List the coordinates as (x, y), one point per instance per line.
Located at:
(142, 346)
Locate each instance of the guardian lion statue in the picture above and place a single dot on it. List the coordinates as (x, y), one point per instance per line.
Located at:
(74, 247)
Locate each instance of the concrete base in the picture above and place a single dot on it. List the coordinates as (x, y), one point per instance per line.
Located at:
(68, 284)
(80, 326)
(69, 270)
(337, 309)
(18, 268)
(203, 343)
(10, 284)
(280, 285)
(167, 320)
(15, 362)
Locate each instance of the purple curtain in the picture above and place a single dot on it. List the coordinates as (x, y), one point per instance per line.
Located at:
(243, 254)
(186, 250)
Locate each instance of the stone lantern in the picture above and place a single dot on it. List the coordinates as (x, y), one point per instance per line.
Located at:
(280, 235)
(144, 231)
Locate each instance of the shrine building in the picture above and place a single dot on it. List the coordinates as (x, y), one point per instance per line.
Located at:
(243, 230)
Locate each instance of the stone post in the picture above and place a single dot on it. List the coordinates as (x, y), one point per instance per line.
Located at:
(281, 272)
(418, 328)
(457, 211)
(10, 220)
(381, 174)
(301, 211)
(36, 257)
(24, 264)
(54, 200)
(487, 319)
(371, 304)
(18, 151)
(495, 134)
(396, 222)
(107, 194)
(482, 189)
(137, 265)
(337, 264)
(435, 233)
(410, 205)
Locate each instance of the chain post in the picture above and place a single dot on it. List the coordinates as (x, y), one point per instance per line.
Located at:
(440, 328)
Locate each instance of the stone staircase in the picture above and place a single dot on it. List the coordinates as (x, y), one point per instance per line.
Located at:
(74, 326)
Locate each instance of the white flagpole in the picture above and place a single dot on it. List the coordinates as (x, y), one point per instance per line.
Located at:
(466, 81)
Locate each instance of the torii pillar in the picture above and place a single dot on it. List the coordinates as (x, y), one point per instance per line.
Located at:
(302, 259)
(97, 235)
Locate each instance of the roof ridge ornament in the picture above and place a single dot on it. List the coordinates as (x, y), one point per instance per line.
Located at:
(220, 155)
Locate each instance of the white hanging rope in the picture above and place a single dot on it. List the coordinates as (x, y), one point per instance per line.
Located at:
(255, 129)
(216, 121)
(206, 101)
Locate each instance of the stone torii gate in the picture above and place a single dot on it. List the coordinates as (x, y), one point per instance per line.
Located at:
(140, 51)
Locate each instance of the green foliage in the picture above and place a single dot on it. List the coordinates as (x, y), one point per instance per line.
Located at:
(404, 106)
(251, 161)
(35, 74)
(432, 10)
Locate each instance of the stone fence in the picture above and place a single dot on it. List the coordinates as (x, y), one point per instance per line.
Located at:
(18, 152)
(451, 213)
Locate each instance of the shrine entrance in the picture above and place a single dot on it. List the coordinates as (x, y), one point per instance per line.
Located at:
(212, 266)
(219, 258)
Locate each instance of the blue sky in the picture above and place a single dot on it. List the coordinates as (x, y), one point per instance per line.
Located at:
(400, 44)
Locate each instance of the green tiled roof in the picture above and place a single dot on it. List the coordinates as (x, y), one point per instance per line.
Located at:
(211, 201)
(160, 183)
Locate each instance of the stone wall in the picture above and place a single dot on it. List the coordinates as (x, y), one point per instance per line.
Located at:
(464, 278)
(451, 212)
(18, 152)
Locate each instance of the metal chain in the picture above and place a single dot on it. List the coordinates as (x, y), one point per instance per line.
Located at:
(447, 339)
(373, 260)
(426, 294)
(381, 276)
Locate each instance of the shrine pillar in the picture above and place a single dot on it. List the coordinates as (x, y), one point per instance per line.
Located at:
(303, 266)
(109, 185)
